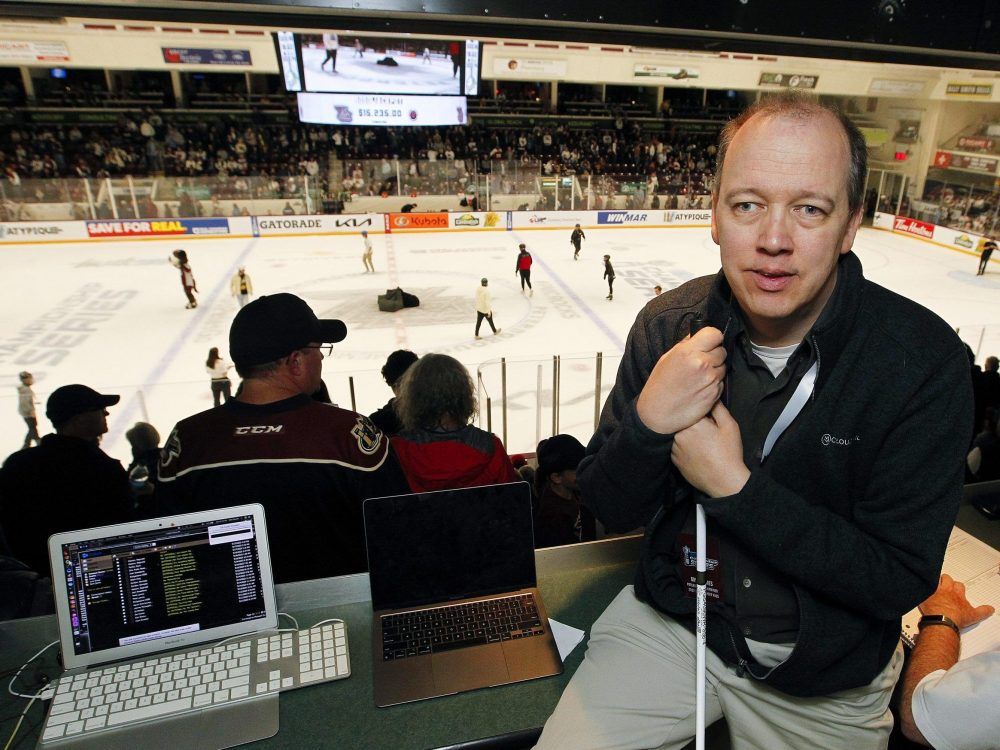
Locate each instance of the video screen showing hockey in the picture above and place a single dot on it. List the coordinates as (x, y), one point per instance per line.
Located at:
(336, 62)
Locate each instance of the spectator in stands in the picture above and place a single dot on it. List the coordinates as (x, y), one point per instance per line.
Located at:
(66, 482)
(560, 519)
(947, 703)
(145, 443)
(991, 382)
(438, 448)
(310, 464)
(828, 543)
(983, 461)
(386, 418)
(26, 408)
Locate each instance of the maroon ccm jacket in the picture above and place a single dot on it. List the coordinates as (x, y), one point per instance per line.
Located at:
(311, 465)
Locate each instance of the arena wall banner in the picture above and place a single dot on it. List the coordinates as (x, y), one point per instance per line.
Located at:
(883, 220)
(688, 217)
(157, 227)
(953, 238)
(41, 231)
(630, 218)
(268, 226)
(552, 219)
(906, 225)
(479, 220)
(958, 239)
(417, 221)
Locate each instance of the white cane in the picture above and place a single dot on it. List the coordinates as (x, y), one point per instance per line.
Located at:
(701, 626)
(701, 601)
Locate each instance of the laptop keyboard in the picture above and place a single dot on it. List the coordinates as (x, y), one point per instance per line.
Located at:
(118, 696)
(427, 631)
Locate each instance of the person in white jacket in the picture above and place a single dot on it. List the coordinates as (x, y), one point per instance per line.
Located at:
(241, 287)
(26, 408)
(484, 307)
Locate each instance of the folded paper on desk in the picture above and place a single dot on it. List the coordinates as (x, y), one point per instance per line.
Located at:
(975, 564)
(567, 638)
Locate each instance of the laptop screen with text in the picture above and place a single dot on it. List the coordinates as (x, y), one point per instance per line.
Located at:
(149, 587)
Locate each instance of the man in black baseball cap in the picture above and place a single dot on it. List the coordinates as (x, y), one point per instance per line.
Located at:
(275, 325)
(66, 482)
(310, 464)
(79, 410)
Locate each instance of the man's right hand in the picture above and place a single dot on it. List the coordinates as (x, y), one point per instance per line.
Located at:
(949, 600)
(684, 384)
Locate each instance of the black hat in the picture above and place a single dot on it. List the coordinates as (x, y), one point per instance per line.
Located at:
(558, 453)
(275, 325)
(397, 364)
(66, 402)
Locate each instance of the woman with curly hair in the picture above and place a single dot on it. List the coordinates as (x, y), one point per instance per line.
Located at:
(438, 448)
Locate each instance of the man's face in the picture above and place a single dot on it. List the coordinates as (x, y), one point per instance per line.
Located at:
(781, 220)
(567, 478)
(92, 424)
(312, 368)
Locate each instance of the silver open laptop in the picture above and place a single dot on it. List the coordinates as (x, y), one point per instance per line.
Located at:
(129, 592)
(454, 594)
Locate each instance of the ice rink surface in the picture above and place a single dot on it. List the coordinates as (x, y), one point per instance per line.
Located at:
(111, 314)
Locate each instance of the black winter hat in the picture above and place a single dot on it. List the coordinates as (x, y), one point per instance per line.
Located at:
(558, 453)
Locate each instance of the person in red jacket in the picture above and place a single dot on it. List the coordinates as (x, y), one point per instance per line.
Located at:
(523, 266)
(438, 448)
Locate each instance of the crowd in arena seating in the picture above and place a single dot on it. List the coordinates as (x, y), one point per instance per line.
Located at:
(239, 158)
(432, 159)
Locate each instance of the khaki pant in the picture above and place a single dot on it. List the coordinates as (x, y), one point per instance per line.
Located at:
(636, 689)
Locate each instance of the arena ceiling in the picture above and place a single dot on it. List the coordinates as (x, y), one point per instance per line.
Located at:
(957, 33)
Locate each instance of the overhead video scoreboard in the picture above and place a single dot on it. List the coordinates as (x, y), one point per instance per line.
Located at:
(346, 78)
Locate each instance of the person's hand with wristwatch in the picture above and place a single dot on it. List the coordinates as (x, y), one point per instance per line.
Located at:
(948, 607)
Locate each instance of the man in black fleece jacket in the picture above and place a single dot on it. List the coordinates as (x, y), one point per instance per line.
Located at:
(822, 421)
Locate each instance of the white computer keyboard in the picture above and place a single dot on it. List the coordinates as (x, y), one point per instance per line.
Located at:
(116, 696)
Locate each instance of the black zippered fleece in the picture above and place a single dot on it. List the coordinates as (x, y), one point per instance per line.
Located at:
(854, 505)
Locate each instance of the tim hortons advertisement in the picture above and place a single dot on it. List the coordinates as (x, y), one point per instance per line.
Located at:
(412, 221)
(914, 227)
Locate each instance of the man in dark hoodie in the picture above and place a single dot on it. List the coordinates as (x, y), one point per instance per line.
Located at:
(830, 491)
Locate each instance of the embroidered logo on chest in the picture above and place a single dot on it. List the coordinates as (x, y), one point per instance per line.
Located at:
(828, 439)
